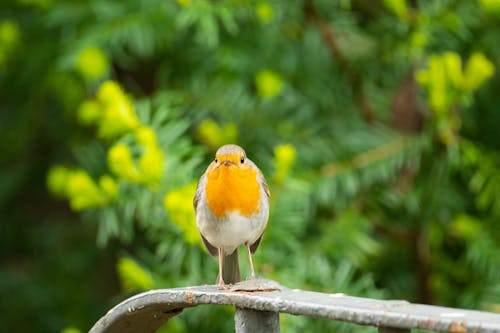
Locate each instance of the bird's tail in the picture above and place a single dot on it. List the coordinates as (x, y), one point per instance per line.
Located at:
(231, 268)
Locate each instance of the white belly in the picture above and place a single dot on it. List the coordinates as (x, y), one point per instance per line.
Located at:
(230, 231)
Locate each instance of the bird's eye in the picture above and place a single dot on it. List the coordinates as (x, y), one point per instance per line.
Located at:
(242, 160)
(216, 161)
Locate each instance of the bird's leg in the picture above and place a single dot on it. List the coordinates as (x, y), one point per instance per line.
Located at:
(252, 271)
(220, 280)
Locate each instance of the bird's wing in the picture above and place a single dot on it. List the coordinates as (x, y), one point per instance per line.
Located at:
(211, 249)
(255, 245)
(197, 197)
(197, 194)
(262, 180)
(264, 184)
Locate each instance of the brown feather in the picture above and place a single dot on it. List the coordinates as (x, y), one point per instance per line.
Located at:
(197, 194)
(255, 245)
(211, 249)
(231, 268)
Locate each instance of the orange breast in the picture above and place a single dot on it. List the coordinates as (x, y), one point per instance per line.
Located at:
(232, 188)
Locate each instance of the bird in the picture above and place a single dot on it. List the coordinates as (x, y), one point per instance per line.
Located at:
(231, 206)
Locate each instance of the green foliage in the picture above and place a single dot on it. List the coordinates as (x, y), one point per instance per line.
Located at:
(375, 124)
(132, 276)
(71, 330)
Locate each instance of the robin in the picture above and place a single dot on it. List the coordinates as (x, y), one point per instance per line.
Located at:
(232, 208)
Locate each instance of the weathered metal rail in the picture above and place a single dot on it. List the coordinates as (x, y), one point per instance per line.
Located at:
(259, 302)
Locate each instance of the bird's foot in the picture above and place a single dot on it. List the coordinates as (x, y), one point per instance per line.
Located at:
(221, 285)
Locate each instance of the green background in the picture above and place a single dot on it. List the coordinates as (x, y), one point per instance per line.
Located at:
(374, 122)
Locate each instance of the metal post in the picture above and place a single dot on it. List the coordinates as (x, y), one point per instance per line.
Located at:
(252, 321)
(393, 330)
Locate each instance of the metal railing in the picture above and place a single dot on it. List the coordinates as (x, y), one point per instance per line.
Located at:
(259, 302)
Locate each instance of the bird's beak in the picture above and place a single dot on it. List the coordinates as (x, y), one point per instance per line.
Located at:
(227, 163)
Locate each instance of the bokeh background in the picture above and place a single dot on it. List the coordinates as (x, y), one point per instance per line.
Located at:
(376, 124)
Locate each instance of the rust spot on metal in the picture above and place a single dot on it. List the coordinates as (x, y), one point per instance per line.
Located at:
(188, 296)
(456, 327)
(429, 324)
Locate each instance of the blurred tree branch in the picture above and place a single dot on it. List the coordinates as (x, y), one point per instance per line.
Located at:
(328, 34)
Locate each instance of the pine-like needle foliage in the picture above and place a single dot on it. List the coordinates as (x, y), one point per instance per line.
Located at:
(375, 123)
